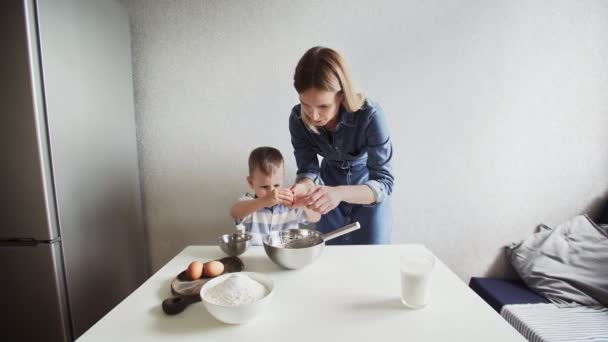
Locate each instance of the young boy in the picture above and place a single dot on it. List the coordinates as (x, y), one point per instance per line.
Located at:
(269, 208)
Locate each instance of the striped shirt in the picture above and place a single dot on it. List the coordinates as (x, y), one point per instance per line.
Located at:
(266, 220)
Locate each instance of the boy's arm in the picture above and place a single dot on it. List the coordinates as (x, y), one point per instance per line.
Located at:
(243, 208)
(311, 216)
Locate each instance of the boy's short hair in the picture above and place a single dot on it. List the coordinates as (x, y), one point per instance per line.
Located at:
(266, 159)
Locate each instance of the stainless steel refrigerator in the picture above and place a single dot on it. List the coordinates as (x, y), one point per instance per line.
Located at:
(72, 238)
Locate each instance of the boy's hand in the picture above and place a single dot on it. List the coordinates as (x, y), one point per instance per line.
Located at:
(279, 196)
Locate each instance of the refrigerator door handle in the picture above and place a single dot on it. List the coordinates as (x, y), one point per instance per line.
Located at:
(26, 242)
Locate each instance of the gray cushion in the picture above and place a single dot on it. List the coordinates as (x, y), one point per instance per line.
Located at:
(567, 264)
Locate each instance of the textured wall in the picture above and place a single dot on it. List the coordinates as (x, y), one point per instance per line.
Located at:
(498, 111)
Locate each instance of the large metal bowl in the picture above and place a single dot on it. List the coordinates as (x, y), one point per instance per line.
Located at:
(296, 248)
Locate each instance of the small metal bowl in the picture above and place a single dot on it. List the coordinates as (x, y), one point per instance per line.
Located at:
(234, 244)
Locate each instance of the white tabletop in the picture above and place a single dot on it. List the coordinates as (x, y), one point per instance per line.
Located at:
(351, 293)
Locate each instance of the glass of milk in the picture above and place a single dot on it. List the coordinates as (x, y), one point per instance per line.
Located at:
(416, 268)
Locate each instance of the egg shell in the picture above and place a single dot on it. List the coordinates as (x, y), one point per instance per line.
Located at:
(195, 270)
(213, 268)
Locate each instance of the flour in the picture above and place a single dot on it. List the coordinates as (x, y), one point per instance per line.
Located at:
(235, 290)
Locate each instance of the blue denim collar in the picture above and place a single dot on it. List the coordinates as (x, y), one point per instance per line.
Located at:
(346, 118)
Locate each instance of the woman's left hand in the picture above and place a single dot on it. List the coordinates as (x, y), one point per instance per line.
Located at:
(324, 199)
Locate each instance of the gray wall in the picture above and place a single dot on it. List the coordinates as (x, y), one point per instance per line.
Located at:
(498, 111)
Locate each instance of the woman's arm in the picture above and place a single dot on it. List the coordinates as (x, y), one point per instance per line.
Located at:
(325, 198)
(379, 156)
(355, 194)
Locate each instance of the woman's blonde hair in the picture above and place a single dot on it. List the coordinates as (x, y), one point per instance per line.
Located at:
(325, 69)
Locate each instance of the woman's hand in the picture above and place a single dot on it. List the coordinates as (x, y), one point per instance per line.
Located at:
(323, 199)
(300, 194)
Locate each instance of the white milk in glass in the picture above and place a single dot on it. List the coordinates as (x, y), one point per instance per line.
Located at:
(416, 270)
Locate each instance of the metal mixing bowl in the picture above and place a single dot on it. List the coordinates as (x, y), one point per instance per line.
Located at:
(234, 244)
(292, 258)
(296, 248)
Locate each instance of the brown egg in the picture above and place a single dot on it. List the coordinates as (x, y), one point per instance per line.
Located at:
(195, 270)
(213, 268)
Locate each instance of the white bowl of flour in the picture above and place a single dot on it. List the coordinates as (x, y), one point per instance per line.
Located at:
(237, 298)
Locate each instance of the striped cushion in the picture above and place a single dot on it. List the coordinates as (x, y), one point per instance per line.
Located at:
(549, 323)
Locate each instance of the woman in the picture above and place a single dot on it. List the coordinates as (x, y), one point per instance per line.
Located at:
(354, 181)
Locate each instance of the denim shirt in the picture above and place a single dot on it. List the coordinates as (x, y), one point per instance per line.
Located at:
(360, 137)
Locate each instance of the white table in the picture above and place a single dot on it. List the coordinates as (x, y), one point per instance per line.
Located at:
(351, 293)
